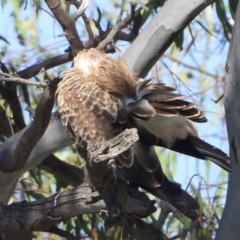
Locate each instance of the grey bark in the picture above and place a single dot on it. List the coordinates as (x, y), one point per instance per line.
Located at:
(44, 214)
(230, 222)
(160, 33)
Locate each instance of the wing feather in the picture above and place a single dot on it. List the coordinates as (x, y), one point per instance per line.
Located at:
(89, 112)
(166, 102)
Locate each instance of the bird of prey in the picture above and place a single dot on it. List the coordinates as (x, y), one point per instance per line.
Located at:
(99, 97)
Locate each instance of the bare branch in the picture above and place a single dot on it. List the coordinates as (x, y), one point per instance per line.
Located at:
(47, 64)
(44, 214)
(192, 67)
(88, 27)
(62, 170)
(121, 11)
(68, 25)
(117, 28)
(12, 78)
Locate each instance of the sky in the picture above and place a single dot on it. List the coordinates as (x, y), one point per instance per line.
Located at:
(46, 32)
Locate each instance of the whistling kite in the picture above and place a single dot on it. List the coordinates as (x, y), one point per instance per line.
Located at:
(99, 97)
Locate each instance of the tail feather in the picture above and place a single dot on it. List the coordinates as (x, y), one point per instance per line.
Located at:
(146, 172)
(192, 146)
(195, 147)
(179, 198)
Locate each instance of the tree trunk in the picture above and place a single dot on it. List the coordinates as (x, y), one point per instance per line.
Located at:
(230, 222)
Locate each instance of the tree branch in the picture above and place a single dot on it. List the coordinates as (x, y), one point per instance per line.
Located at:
(43, 214)
(159, 34)
(68, 24)
(65, 172)
(15, 160)
(11, 78)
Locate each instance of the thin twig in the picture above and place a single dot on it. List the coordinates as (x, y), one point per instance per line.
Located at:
(192, 67)
(117, 28)
(219, 99)
(10, 78)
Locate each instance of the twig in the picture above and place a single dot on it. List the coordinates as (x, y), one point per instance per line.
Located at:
(67, 57)
(97, 22)
(47, 64)
(40, 7)
(220, 98)
(11, 78)
(117, 28)
(85, 19)
(192, 67)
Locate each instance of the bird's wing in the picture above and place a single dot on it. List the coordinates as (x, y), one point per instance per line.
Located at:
(168, 103)
(171, 127)
(146, 172)
(89, 113)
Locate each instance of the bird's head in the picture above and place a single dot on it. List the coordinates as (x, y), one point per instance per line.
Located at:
(111, 75)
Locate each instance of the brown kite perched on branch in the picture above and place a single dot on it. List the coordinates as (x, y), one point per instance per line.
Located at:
(99, 97)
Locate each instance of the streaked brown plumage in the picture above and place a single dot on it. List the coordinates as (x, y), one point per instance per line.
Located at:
(88, 101)
(99, 97)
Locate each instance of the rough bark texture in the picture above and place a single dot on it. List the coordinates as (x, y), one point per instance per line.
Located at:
(44, 214)
(229, 225)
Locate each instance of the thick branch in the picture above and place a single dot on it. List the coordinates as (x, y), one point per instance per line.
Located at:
(65, 172)
(45, 65)
(68, 25)
(154, 40)
(43, 214)
(15, 160)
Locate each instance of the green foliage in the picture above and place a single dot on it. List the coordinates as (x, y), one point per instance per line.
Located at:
(224, 19)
